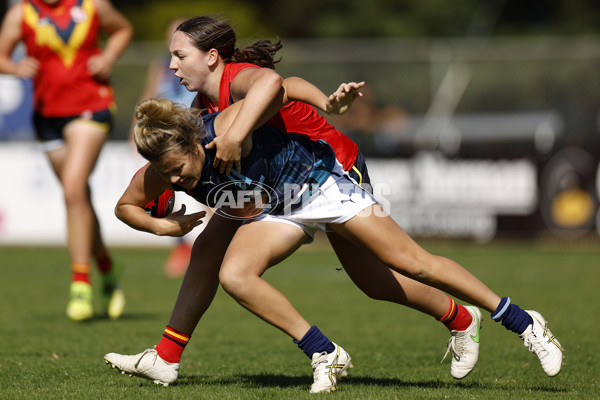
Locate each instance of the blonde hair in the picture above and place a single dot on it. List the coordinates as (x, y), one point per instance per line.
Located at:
(164, 127)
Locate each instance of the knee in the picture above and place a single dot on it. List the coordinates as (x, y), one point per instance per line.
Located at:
(75, 194)
(232, 280)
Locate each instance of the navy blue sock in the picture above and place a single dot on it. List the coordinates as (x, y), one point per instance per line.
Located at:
(314, 342)
(512, 316)
(502, 307)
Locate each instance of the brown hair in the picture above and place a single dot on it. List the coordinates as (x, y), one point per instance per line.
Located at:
(207, 33)
(164, 127)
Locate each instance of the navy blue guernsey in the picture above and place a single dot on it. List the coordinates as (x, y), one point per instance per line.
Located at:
(280, 173)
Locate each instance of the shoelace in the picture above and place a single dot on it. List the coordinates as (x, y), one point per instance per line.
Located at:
(321, 368)
(320, 360)
(533, 343)
(456, 344)
(147, 351)
(322, 357)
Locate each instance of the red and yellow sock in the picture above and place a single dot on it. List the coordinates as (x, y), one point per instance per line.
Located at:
(457, 318)
(81, 273)
(171, 345)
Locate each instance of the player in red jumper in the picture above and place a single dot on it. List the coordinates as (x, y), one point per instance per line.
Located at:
(73, 103)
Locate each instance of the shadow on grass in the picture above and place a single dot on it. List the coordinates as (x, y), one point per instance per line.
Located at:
(133, 316)
(128, 316)
(284, 381)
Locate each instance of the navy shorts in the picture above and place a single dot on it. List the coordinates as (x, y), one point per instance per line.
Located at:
(360, 173)
(50, 129)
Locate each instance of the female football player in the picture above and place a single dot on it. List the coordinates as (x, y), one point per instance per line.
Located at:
(73, 104)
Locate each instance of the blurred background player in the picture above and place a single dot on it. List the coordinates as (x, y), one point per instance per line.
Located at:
(73, 107)
(160, 81)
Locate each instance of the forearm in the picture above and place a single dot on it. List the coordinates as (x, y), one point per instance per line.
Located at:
(257, 106)
(7, 66)
(137, 218)
(297, 89)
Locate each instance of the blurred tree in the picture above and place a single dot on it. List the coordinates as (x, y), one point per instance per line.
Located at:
(414, 18)
(258, 19)
(150, 18)
(375, 18)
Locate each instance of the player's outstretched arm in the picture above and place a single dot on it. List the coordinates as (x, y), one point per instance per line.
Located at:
(340, 101)
(298, 89)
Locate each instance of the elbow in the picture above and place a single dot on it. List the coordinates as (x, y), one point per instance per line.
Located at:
(279, 80)
(128, 32)
(118, 212)
(274, 80)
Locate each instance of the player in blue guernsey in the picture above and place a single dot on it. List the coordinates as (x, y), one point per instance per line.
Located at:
(171, 139)
(294, 162)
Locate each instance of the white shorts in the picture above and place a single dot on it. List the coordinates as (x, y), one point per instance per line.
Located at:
(336, 201)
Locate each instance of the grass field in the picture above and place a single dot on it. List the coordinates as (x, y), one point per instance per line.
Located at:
(234, 355)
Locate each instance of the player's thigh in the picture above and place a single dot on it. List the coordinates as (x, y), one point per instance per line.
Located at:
(365, 270)
(377, 231)
(210, 246)
(84, 140)
(258, 245)
(57, 159)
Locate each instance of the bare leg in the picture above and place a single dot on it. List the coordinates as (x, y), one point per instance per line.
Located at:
(201, 281)
(254, 248)
(378, 232)
(382, 283)
(73, 165)
(98, 246)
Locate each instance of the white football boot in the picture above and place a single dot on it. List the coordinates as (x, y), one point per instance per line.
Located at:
(465, 346)
(538, 338)
(328, 368)
(147, 365)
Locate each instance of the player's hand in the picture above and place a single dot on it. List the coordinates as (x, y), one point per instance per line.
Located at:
(181, 224)
(229, 154)
(100, 67)
(340, 101)
(27, 68)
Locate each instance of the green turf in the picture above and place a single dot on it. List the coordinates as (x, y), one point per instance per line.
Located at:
(234, 355)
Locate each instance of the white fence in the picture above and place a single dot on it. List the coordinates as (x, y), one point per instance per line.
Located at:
(428, 195)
